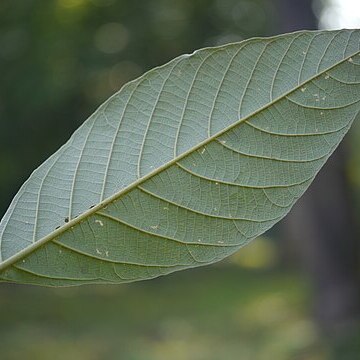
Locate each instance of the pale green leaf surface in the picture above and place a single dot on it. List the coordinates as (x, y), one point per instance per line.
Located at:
(185, 164)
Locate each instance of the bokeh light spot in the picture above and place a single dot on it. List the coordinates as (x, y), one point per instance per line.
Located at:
(337, 14)
(111, 38)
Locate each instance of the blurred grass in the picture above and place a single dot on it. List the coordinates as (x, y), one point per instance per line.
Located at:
(219, 312)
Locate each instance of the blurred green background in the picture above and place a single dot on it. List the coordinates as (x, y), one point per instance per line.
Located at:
(289, 295)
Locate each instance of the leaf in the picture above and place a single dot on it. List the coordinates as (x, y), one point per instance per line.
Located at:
(185, 164)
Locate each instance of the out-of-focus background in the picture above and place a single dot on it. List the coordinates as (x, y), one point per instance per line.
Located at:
(292, 294)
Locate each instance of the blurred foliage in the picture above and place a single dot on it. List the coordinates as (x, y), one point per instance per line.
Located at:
(59, 59)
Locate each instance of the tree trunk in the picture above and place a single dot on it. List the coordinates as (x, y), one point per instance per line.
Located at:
(321, 226)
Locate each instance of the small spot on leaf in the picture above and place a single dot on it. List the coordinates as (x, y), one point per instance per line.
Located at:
(99, 222)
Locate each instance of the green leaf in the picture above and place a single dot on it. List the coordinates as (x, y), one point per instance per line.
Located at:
(185, 164)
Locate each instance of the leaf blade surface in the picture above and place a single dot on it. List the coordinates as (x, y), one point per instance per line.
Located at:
(187, 163)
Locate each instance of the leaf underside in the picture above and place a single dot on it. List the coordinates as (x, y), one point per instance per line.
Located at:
(185, 164)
